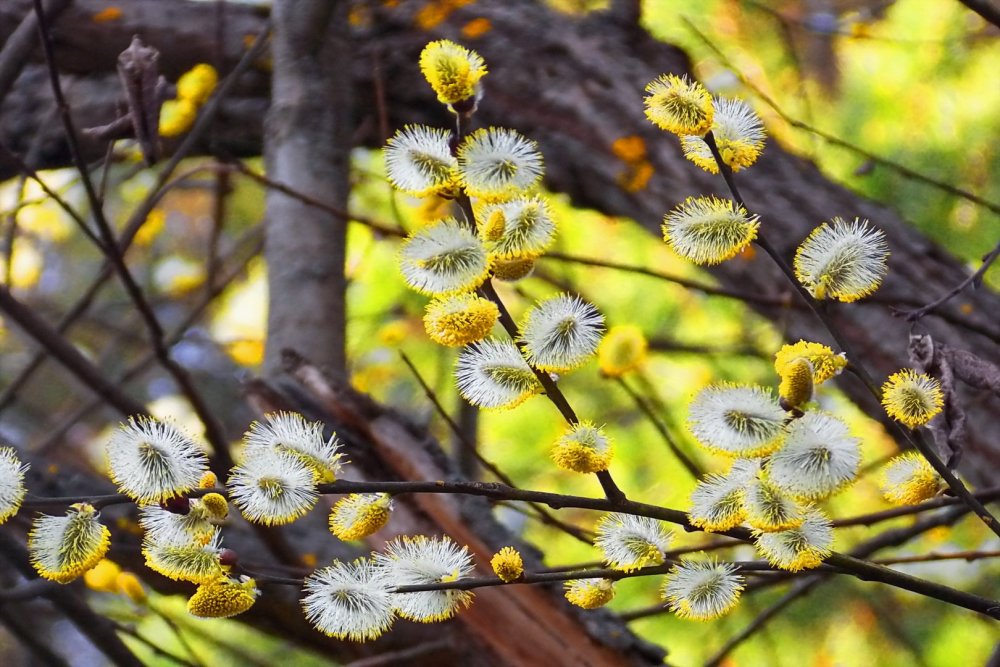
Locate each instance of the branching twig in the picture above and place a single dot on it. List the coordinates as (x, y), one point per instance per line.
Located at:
(846, 564)
(552, 391)
(661, 428)
(214, 432)
(914, 438)
(975, 278)
(541, 513)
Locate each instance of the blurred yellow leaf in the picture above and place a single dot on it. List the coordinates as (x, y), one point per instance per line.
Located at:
(44, 220)
(246, 352)
(26, 265)
(155, 222)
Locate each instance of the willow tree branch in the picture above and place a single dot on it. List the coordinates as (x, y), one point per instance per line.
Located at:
(847, 564)
(472, 583)
(539, 512)
(914, 438)
(552, 391)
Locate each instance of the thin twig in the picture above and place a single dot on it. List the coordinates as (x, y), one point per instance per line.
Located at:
(661, 428)
(844, 563)
(552, 391)
(704, 288)
(975, 278)
(71, 358)
(27, 171)
(985, 495)
(311, 201)
(799, 589)
(967, 556)
(403, 656)
(540, 512)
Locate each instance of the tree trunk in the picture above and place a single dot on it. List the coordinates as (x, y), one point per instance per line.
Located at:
(307, 145)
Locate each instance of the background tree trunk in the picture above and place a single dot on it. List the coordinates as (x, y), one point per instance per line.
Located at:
(307, 145)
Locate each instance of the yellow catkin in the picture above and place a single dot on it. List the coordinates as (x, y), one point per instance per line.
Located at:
(622, 350)
(590, 593)
(452, 70)
(103, 576)
(460, 319)
(677, 105)
(177, 117)
(359, 515)
(223, 598)
(508, 564)
(513, 269)
(912, 398)
(196, 85)
(796, 387)
(216, 505)
(583, 448)
(826, 364)
(908, 479)
(85, 543)
(208, 480)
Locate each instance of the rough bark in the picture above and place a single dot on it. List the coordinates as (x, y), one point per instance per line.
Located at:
(307, 145)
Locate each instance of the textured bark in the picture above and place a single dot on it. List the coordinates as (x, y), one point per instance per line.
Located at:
(307, 145)
(575, 90)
